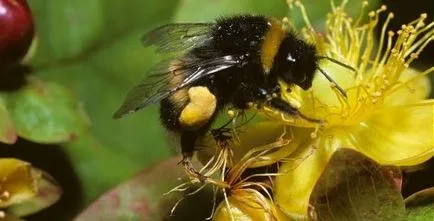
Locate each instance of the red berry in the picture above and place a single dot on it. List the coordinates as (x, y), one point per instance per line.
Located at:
(16, 30)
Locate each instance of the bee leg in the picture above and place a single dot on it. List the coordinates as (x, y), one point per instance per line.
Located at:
(188, 141)
(222, 136)
(283, 106)
(276, 102)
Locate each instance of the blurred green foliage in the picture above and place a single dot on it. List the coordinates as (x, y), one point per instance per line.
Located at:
(93, 48)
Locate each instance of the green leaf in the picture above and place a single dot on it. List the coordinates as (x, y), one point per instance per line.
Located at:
(7, 130)
(355, 187)
(46, 112)
(420, 205)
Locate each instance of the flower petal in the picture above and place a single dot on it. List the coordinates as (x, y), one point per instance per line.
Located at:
(414, 88)
(299, 174)
(400, 135)
(17, 182)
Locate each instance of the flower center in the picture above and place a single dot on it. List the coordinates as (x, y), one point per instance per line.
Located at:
(379, 69)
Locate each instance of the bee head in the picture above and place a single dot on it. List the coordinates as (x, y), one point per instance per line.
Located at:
(295, 62)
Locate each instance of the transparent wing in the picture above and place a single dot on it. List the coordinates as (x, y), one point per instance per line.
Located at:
(171, 76)
(172, 38)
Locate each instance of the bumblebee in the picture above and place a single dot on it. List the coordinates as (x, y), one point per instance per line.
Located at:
(234, 61)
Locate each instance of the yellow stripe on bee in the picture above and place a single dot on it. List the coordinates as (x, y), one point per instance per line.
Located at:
(179, 98)
(270, 45)
(200, 108)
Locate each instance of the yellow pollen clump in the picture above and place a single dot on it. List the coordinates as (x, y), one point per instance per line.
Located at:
(200, 108)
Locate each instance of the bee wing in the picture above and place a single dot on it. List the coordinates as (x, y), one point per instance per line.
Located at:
(161, 81)
(181, 37)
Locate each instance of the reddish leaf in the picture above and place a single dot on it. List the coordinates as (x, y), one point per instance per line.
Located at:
(353, 186)
(138, 198)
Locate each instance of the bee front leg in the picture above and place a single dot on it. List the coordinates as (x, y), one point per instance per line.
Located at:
(274, 100)
(285, 107)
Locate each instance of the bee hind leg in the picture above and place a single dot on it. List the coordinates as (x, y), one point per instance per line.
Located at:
(188, 141)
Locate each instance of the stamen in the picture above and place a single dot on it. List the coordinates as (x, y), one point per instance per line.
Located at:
(360, 63)
(351, 51)
(369, 39)
(260, 175)
(380, 47)
(379, 66)
(416, 54)
(421, 40)
(247, 185)
(388, 48)
(228, 207)
(362, 13)
(214, 203)
(304, 14)
(333, 5)
(343, 3)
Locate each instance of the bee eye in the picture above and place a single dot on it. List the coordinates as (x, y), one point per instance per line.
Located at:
(290, 58)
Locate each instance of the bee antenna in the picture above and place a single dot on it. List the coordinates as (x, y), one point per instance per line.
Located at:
(338, 63)
(341, 90)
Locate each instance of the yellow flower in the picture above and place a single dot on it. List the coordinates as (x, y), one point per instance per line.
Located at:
(385, 116)
(24, 190)
(18, 182)
(247, 206)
